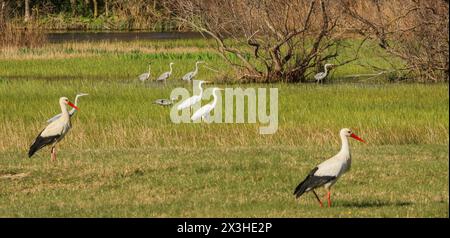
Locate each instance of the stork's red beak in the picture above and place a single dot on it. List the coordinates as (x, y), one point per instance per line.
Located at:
(357, 138)
(72, 105)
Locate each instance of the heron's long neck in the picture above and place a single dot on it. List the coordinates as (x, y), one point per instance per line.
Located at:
(326, 69)
(196, 68)
(345, 149)
(76, 100)
(170, 65)
(149, 69)
(72, 111)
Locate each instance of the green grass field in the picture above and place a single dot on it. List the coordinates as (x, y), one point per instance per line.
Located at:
(125, 158)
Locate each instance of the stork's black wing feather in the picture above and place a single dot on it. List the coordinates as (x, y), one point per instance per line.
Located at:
(41, 142)
(312, 182)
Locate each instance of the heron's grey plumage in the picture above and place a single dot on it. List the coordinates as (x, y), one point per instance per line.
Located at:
(165, 75)
(189, 76)
(145, 76)
(320, 76)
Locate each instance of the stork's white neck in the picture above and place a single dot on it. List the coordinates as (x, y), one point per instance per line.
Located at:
(345, 148)
(64, 112)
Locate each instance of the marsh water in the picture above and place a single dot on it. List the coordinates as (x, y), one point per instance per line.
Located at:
(77, 36)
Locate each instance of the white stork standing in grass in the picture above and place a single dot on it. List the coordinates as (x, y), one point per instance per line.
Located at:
(194, 99)
(320, 76)
(189, 76)
(205, 111)
(55, 131)
(329, 171)
(163, 77)
(72, 112)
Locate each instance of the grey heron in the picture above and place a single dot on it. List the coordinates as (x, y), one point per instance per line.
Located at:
(145, 76)
(320, 76)
(189, 76)
(166, 75)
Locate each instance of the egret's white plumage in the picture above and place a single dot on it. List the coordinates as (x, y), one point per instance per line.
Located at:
(204, 111)
(320, 76)
(194, 99)
(145, 76)
(55, 131)
(166, 75)
(71, 112)
(189, 76)
(328, 172)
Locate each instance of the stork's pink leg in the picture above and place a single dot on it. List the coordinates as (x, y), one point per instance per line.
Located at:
(53, 156)
(329, 198)
(318, 199)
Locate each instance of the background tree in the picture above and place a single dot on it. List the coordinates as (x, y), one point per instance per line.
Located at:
(268, 41)
(27, 11)
(106, 8)
(414, 31)
(95, 6)
(2, 11)
(73, 7)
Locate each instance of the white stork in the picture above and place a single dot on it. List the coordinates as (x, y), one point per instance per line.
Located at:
(165, 75)
(320, 76)
(55, 131)
(71, 112)
(145, 76)
(204, 111)
(194, 99)
(329, 171)
(189, 76)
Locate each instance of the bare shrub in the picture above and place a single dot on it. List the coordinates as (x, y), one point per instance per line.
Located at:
(415, 31)
(268, 41)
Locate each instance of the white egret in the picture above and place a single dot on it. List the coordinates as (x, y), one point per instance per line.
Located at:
(194, 99)
(329, 171)
(204, 111)
(55, 131)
